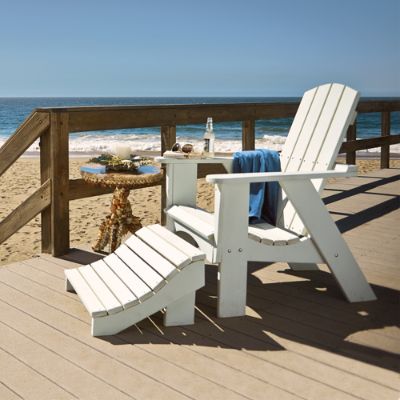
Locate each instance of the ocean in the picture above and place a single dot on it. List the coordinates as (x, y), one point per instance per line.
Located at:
(269, 133)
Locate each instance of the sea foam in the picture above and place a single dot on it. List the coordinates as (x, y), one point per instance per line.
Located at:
(97, 144)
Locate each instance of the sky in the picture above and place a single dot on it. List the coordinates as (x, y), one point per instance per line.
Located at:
(197, 47)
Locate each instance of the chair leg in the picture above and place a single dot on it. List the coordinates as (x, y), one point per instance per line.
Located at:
(232, 287)
(68, 286)
(181, 311)
(350, 278)
(303, 266)
(328, 240)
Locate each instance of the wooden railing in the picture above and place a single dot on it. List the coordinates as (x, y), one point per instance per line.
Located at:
(53, 126)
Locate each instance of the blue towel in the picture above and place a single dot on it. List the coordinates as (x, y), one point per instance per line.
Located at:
(263, 197)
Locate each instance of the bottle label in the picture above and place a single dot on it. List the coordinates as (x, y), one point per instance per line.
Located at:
(206, 145)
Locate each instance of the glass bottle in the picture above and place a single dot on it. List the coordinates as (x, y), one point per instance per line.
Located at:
(209, 139)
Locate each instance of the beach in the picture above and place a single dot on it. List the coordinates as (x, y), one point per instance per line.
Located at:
(23, 178)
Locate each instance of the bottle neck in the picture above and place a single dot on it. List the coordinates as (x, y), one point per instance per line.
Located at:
(209, 126)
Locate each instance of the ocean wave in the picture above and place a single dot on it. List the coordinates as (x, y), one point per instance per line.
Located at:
(95, 144)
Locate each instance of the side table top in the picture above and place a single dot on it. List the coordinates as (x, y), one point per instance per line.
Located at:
(189, 160)
(144, 176)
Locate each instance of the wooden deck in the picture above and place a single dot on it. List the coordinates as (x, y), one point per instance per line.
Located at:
(299, 340)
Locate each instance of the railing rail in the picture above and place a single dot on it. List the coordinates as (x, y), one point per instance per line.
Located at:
(53, 126)
(26, 211)
(24, 136)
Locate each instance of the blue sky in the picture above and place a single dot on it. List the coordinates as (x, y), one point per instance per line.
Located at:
(197, 48)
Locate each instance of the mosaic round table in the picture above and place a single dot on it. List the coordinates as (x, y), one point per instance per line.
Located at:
(120, 220)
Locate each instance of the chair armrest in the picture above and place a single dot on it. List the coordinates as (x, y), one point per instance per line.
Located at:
(339, 171)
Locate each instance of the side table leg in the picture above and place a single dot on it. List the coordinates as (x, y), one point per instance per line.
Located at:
(118, 223)
(103, 237)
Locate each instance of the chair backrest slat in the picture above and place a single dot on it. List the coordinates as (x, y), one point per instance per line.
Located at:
(296, 128)
(308, 132)
(315, 145)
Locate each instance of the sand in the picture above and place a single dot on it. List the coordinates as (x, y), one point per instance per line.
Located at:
(23, 178)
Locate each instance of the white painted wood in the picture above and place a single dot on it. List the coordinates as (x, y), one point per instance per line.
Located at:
(114, 292)
(181, 187)
(232, 287)
(304, 251)
(208, 247)
(103, 293)
(234, 179)
(131, 280)
(301, 251)
(185, 217)
(147, 274)
(323, 150)
(225, 161)
(308, 128)
(310, 162)
(297, 126)
(307, 160)
(192, 252)
(68, 286)
(328, 112)
(155, 260)
(202, 221)
(351, 169)
(231, 235)
(181, 311)
(310, 135)
(181, 181)
(329, 241)
(338, 128)
(199, 213)
(271, 235)
(114, 283)
(85, 293)
(159, 244)
(187, 281)
(263, 232)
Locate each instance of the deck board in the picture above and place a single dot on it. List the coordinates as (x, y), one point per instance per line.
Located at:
(299, 340)
(7, 394)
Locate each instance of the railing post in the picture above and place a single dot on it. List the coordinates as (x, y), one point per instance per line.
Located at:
(351, 135)
(168, 139)
(45, 174)
(59, 172)
(385, 131)
(248, 134)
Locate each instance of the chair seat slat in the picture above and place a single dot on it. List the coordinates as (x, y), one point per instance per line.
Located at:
(188, 217)
(271, 235)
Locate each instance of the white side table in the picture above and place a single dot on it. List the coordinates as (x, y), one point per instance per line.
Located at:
(181, 178)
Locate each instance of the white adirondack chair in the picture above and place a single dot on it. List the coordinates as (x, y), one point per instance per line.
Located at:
(305, 233)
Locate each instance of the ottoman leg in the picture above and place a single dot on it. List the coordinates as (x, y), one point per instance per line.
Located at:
(181, 312)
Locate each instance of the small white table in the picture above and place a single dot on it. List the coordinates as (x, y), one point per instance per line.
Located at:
(181, 178)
